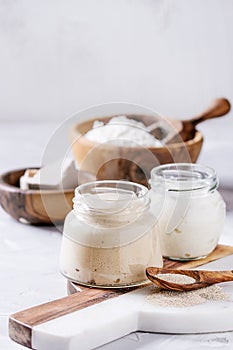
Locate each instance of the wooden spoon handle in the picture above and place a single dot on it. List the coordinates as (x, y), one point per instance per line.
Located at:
(215, 276)
(218, 108)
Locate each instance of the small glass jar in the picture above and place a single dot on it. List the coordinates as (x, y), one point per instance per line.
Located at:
(190, 211)
(109, 237)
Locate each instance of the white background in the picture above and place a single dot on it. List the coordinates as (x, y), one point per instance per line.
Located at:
(59, 56)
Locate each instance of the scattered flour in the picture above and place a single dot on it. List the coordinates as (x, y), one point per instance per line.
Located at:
(122, 131)
(166, 298)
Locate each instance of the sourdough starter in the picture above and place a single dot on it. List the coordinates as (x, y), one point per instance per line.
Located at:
(114, 245)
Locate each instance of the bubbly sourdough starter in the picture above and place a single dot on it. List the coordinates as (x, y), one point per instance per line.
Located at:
(107, 250)
(189, 226)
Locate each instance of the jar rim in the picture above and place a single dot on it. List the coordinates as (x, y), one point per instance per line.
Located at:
(185, 176)
(114, 198)
(143, 191)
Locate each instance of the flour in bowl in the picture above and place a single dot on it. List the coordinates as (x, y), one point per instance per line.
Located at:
(122, 131)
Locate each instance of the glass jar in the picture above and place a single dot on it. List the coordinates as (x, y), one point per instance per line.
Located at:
(190, 211)
(109, 237)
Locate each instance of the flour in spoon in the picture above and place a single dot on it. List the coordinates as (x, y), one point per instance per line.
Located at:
(175, 278)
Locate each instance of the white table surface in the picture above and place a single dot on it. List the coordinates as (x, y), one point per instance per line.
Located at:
(29, 272)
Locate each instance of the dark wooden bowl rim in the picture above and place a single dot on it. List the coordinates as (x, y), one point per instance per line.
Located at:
(8, 186)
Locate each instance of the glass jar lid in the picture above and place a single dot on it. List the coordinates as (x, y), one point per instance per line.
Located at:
(184, 177)
(109, 214)
(109, 197)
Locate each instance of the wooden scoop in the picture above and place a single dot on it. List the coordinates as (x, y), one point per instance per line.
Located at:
(202, 278)
(218, 108)
(172, 130)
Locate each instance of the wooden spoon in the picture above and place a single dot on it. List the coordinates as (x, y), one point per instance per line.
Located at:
(172, 130)
(218, 108)
(202, 278)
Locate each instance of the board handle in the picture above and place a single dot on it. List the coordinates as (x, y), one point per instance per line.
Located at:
(22, 322)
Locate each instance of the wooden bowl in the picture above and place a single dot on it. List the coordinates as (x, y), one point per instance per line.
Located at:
(38, 207)
(108, 161)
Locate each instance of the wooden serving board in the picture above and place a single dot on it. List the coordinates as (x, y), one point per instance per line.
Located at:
(90, 316)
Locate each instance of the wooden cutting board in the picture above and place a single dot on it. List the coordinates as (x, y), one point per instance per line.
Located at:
(95, 316)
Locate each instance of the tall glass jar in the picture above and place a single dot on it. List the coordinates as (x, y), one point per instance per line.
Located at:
(190, 211)
(109, 237)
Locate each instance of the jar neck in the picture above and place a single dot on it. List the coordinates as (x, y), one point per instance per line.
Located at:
(110, 201)
(184, 178)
